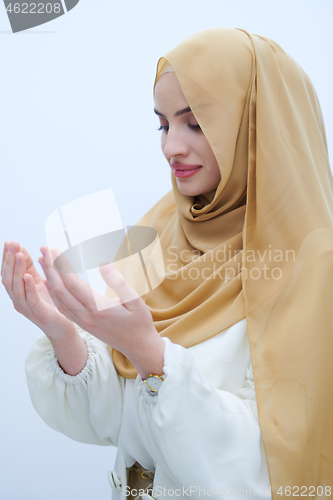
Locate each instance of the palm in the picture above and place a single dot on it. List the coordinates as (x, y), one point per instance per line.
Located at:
(51, 314)
(38, 279)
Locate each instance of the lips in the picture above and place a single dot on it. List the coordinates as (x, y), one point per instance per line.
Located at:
(183, 171)
(184, 166)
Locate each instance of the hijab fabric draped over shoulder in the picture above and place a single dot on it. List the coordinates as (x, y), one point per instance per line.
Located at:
(260, 246)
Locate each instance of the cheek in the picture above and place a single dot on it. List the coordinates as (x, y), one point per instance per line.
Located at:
(207, 153)
(163, 141)
(211, 159)
(216, 169)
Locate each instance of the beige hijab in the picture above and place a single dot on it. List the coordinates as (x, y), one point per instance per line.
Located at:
(260, 247)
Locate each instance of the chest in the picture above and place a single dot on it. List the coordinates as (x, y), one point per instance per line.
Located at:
(224, 358)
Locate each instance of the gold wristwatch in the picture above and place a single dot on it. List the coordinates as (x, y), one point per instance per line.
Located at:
(154, 382)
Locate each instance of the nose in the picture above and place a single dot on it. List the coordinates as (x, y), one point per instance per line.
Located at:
(174, 144)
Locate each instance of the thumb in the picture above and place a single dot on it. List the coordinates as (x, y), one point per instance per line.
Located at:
(116, 281)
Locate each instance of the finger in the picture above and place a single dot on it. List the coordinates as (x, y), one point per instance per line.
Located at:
(37, 306)
(18, 283)
(8, 268)
(41, 262)
(30, 265)
(5, 250)
(127, 295)
(60, 305)
(76, 286)
(57, 285)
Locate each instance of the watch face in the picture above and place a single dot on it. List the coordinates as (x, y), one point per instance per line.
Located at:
(153, 383)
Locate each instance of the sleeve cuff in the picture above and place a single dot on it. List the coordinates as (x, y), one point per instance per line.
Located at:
(86, 371)
(142, 386)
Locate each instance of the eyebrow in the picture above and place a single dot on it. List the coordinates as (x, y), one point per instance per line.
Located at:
(180, 112)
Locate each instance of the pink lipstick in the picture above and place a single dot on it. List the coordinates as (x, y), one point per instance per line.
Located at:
(183, 170)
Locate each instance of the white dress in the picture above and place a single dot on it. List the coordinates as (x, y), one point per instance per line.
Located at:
(200, 433)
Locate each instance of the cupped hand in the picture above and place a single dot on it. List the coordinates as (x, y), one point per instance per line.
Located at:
(28, 292)
(125, 323)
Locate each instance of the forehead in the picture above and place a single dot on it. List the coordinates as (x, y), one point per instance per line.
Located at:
(168, 91)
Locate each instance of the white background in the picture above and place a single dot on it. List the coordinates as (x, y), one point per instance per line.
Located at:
(77, 117)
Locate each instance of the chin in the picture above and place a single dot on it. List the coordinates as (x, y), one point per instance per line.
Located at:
(189, 190)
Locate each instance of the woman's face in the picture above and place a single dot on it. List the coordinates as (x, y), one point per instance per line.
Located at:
(183, 143)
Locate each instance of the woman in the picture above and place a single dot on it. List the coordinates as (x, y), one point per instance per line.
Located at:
(238, 336)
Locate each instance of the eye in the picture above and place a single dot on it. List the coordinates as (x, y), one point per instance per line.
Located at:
(164, 127)
(195, 127)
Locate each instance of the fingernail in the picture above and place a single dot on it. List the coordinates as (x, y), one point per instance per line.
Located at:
(18, 260)
(11, 248)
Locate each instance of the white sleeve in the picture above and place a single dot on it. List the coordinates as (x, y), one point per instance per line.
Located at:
(86, 407)
(201, 436)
